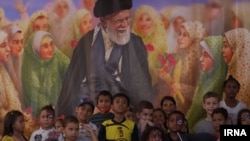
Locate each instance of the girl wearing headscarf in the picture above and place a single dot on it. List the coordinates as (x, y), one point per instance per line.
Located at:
(43, 70)
(14, 62)
(39, 20)
(9, 97)
(179, 14)
(80, 25)
(213, 74)
(236, 52)
(60, 16)
(185, 74)
(148, 25)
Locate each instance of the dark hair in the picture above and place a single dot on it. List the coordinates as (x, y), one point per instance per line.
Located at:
(144, 104)
(231, 78)
(9, 120)
(222, 111)
(121, 95)
(211, 94)
(176, 112)
(244, 110)
(70, 119)
(145, 134)
(170, 98)
(48, 108)
(104, 93)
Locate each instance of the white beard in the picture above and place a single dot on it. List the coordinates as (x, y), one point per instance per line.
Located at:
(121, 38)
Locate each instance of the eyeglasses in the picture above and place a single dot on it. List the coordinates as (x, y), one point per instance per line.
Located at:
(120, 21)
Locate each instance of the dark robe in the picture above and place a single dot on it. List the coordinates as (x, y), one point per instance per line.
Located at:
(89, 64)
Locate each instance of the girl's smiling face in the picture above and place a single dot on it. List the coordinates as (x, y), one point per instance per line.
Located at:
(47, 48)
(145, 24)
(184, 40)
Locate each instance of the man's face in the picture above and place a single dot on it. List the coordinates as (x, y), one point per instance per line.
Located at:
(118, 26)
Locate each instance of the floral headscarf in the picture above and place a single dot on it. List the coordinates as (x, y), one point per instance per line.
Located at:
(239, 40)
(195, 29)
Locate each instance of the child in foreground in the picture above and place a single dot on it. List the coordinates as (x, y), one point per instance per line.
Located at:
(103, 100)
(47, 131)
(119, 128)
(14, 127)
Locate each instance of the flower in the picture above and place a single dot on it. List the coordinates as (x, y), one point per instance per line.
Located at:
(73, 43)
(150, 47)
(167, 61)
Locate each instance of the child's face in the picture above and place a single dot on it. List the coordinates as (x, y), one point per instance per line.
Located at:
(71, 131)
(19, 124)
(104, 103)
(145, 114)
(218, 119)
(58, 125)
(245, 118)
(210, 104)
(120, 105)
(4, 51)
(46, 119)
(231, 89)
(145, 24)
(227, 51)
(175, 122)
(206, 61)
(47, 48)
(16, 44)
(84, 112)
(184, 40)
(41, 23)
(168, 106)
(158, 117)
(86, 24)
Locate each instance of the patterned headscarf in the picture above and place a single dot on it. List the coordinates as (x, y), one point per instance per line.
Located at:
(195, 29)
(239, 40)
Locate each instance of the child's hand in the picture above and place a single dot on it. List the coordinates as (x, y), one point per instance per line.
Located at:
(150, 123)
(85, 126)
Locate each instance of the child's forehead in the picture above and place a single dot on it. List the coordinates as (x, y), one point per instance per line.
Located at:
(176, 115)
(47, 112)
(168, 101)
(102, 97)
(211, 99)
(120, 98)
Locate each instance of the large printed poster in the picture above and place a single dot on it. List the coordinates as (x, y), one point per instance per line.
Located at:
(184, 40)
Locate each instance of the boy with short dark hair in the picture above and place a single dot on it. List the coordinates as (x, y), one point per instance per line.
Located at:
(144, 115)
(47, 130)
(103, 103)
(87, 130)
(119, 128)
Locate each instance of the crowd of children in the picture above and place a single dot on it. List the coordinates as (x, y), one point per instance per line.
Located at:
(116, 120)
